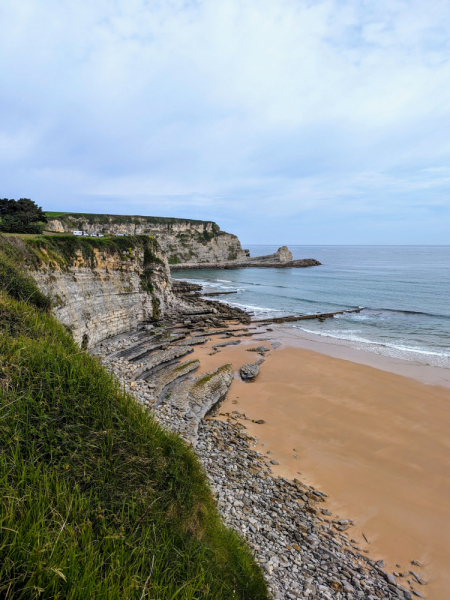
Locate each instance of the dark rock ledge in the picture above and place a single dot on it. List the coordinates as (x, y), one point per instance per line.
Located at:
(281, 259)
(302, 262)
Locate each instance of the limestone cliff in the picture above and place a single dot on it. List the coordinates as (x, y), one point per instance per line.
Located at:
(104, 287)
(101, 288)
(184, 241)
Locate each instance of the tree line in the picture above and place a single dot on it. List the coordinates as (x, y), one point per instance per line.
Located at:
(21, 216)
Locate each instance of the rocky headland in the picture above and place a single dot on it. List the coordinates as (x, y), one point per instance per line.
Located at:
(183, 241)
(186, 243)
(282, 258)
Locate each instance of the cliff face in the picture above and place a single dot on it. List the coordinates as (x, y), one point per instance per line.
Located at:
(104, 287)
(184, 241)
(101, 290)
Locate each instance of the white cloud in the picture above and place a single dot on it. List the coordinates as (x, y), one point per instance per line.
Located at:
(225, 106)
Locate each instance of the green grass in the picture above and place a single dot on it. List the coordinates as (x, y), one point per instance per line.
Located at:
(97, 500)
(24, 236)
(71, 217)
(60, 250)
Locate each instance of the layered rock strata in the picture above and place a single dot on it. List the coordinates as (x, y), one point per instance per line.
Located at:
(166, 381)
(107, 291)
(105, 296)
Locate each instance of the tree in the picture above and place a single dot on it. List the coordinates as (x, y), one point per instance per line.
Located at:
(21, 216)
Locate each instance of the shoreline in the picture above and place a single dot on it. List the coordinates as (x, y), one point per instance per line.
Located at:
(249, 402)
(341, 462)
(427, 374)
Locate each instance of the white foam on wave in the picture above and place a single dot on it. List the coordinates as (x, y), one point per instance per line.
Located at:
(253, 307)
(395, 350)
(208, 284)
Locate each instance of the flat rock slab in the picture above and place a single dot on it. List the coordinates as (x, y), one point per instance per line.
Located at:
(139, 348)
(170, 376)
(230, 343)
(194, 341)
(250, 370)
(157, 361)
(258, 349)
(203, 393)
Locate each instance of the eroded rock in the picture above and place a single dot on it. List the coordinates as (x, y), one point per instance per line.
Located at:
(250, 370)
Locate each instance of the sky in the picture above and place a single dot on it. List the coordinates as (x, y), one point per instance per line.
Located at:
(285, 121)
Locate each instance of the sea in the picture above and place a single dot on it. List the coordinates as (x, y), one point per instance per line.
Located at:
(404, 293)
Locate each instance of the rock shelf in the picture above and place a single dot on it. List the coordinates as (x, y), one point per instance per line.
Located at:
(305, 553)
(293, 264)
(292, 318)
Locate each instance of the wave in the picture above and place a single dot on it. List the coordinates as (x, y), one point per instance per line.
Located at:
(209, 284)
(254, 307)
(408, 312)
(349, 336)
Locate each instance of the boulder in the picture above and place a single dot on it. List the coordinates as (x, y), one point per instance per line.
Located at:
(250, 370)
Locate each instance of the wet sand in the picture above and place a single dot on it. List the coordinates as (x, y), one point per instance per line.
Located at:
(377, 442)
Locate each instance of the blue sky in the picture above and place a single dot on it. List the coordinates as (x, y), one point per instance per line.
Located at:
(286, 121)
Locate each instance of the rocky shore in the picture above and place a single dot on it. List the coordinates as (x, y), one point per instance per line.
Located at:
(305, 551)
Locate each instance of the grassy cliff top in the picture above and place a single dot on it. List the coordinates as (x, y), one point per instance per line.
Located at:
(35, 250)
(97, 500)
(120, 219)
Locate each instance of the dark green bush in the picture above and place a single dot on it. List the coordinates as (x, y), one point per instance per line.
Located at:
(13, 224)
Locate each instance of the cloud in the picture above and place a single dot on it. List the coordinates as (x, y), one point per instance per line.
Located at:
(249, 112)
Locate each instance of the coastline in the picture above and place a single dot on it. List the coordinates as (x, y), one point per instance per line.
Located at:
(335, 348)
(304, 549)
(371, 438)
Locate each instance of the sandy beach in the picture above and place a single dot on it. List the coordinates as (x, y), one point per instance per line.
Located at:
(375, 441)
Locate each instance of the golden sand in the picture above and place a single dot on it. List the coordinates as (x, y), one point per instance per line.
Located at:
(378, 443)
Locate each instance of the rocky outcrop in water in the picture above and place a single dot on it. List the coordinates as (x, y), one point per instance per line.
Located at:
(252, 262)
(282, 255)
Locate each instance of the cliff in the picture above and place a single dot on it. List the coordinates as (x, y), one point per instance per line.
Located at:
(101, 287)
(187, 243)
(184, 241)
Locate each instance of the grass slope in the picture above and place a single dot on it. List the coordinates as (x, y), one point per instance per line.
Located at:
(97, 500)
